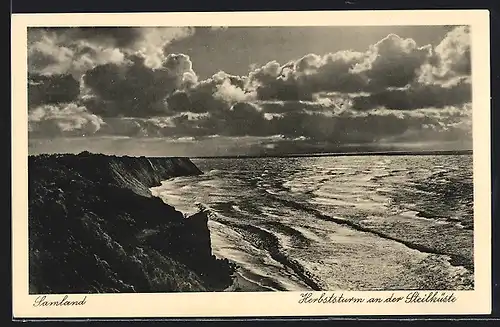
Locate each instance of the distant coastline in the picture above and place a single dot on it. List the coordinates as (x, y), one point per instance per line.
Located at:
(345, 154)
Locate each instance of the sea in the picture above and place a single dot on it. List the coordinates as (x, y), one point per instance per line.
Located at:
(371, 222)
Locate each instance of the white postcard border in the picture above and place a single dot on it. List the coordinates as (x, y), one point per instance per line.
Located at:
(242, 304)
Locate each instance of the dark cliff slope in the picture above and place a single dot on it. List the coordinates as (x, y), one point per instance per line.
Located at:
(94, 227)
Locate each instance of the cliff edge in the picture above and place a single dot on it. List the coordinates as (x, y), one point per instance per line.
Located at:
(94, 227)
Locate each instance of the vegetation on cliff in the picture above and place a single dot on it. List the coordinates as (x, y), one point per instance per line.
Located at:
(95, 227)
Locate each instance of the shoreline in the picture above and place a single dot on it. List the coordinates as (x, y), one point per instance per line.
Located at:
(244, 284)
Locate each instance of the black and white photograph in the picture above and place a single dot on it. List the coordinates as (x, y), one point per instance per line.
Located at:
(180, 159)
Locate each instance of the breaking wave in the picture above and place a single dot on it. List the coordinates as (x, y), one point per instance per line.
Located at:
(350, 223)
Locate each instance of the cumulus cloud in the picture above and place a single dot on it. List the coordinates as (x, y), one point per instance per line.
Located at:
(231, 88)
(74, 50)
(454, 51)
(68, 51)
(63, 120)
(214, 94)
(393, 62)
(272, 82)
(451, 58)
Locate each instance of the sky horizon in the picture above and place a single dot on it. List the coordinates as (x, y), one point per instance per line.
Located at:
(212, 91)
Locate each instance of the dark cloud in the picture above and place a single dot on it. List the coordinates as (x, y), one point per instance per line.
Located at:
(375, 126)
(332, 72)
(136, 90)
(244, 119)
(338, 129)
(51, 89)
(198, 100)
(417, 96)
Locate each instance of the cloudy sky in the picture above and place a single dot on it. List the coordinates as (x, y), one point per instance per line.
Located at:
(233, 91)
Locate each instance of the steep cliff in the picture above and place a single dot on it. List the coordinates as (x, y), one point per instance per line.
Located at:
(95, 227)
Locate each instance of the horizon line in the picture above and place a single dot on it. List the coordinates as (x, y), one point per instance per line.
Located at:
(292, 155)
(340, 154)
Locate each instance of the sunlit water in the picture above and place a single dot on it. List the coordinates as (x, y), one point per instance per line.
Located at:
(349, 223)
